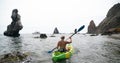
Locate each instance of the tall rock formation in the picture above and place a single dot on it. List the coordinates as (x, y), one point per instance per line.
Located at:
(15, 26)
(56, 31)
(91, 27)
(112, 20)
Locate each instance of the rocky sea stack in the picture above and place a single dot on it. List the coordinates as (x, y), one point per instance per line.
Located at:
(91, 27)
(110, 24)
(56, 31)
(15, 26)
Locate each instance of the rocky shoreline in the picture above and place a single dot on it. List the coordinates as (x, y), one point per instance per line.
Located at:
(15, 57)
(115, 36)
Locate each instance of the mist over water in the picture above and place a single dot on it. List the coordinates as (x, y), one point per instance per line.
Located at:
(87, 49)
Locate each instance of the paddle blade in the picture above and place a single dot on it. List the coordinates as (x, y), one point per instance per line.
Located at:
(52, 50)
(81, 28)
(78, 30)
(49, 51)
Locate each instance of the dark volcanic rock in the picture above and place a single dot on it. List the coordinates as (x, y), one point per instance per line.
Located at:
(43, 36)
(15, 26)
(112, 20)
(56, 31)
(91, 27)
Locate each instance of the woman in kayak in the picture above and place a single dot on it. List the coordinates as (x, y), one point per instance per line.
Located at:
(61, 46)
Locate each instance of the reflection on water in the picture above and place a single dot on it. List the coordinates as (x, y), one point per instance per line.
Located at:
(112, 51)
(87, 49)
(10, 44)
(64, 61)
(15, 44)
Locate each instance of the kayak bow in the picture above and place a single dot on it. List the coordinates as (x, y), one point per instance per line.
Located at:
(57, 56)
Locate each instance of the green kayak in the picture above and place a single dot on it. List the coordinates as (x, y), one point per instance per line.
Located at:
(57, 56)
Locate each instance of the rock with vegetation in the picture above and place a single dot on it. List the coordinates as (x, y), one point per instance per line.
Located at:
(16, 57)
(15, 26)
(111, 23)
(112, 31)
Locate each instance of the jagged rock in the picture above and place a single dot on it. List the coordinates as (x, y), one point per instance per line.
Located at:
(43, 36)
(56, 31)
(14, 57)
(112, 20)
(15, 26)
(91, 27)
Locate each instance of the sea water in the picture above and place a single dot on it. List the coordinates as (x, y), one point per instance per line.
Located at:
(87, 49)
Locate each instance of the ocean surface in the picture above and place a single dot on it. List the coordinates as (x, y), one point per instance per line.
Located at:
(87, 49)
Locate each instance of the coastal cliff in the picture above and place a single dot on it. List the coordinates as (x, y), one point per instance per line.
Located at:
(111, 23)
(112, 20)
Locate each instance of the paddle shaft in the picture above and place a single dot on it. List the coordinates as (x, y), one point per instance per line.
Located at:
(78, 30)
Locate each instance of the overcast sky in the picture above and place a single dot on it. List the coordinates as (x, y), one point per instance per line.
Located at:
(45, 15)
